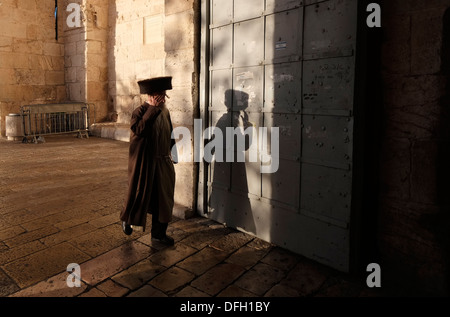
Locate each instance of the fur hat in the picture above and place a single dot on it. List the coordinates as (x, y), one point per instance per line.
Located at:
(157, 84)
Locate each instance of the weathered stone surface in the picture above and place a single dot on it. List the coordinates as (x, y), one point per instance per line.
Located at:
(138, 274)
(112, 262)
(203, 260)
(172, 255)
(260, 279)
(111, 289)
(147, 291)
(172, 279)
(37, 267)
(217, 278)
(55, 286)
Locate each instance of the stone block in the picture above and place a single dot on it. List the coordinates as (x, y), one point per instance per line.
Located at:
(260, 279)
(181, 65)
(92, 73)
(170, 256)
(413, 90)
(27, 47)
(231, 242)
(97, 35)
(61, 93)
(35, 267)
(172, 279)
(94, 47)
(147, 291)
(99, 60)
(32, 32)
(112, 289)
(96, 90)
(14, 60)
(217, 278)
(9, 93)
(177, 6)
(138, 274)
(425, 168)
(112, 262)
(246, 257)
(122, 134)
(426, 41)
(14, 30)
(54, 78)
(55, 286)
(415, 121)
(77, 60)
(189, 291)
(153, 30)
(5, 44)
(395, 168)
(177, 35)
(75, 92)
(71, 74)
(202, 261)
(27, 12)
(53, 49)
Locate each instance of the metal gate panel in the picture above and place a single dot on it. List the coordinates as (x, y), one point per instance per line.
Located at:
(283, 88)
(220, 170)
(284, 32)
(281, 5)
(248, 9)
(221, 55)
(246, 176)
(221, 94)
(279, 188)
(330, 28)
(249, 43)
(248, 88)
(327, 140)
(326, 194)
(289, 129)
(313, 238)
(328, 83)
(221, 12)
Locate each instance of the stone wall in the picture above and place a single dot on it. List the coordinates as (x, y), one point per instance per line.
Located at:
(86, 56)
(31, 59)
(413, 234)
(74, 55)
(181, 62)
(136, 51)
(150, 39)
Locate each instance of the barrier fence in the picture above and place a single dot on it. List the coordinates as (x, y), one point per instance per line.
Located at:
(50, 119)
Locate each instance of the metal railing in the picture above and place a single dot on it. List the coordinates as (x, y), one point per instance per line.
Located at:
(59, 118)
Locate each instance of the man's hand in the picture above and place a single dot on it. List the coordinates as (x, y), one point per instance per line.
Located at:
(157, 100)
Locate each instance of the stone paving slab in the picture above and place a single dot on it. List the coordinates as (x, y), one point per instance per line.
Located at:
(138, 275)
(112, 262)
(43, 264)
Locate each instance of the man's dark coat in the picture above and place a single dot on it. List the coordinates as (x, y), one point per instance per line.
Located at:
(151, 173)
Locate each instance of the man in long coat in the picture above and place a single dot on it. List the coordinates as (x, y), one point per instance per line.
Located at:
(151, 173)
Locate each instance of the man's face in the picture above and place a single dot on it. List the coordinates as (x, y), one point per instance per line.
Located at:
(158, 98)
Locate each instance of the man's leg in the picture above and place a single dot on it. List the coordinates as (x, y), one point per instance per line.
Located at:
(159, 230)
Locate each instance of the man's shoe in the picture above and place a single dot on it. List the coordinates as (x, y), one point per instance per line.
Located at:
(126, 228)
(167, 240)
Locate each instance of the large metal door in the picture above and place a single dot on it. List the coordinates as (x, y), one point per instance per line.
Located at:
(285, 64)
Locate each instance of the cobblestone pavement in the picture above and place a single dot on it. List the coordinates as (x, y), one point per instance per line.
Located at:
(59, 204)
